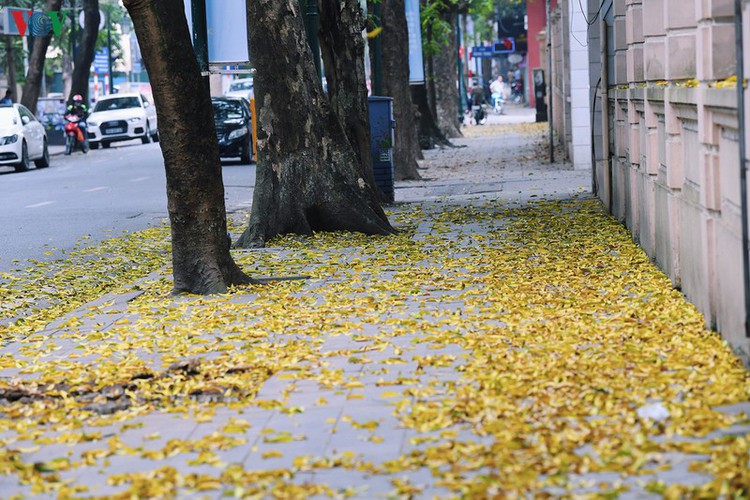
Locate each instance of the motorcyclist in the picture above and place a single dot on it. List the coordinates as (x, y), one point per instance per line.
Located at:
(477, 94)
(477, 100)
(79, 109)
(498, 92)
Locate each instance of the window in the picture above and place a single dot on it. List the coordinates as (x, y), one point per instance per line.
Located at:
(24, 112)
(117, 103)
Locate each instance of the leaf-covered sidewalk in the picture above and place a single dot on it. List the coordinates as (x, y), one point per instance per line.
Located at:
(492, 348)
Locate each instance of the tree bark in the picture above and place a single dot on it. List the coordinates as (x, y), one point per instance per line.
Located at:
(343, 50)
(442, 70)
(10, 63)
(429, 133)
(195, 191)
(85, 54)
(395, 64)
(308, 177)
(33, 85)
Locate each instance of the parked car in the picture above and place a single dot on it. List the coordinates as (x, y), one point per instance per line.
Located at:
(242, 87)
(122, 117)
(233, 127)
(22, 138)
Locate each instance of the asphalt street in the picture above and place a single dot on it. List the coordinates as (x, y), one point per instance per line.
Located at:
(89, 198)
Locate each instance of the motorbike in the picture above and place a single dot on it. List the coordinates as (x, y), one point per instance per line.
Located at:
(498, 103)
(74, 134)
(477, 111)
(516, 90)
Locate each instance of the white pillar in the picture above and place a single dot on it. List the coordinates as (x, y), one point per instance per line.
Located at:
(580, 107)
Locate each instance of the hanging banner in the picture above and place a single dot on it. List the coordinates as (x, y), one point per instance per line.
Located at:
(226, 21)
(416, 64)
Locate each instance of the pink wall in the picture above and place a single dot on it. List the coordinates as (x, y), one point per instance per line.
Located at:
(537, 19)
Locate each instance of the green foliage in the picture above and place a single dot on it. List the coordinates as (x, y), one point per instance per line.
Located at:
(435, 29)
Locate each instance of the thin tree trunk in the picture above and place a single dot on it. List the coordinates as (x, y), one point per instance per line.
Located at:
(67, 73)
(308, 176)
(33, 85)
(10, 64)
(195, 191)
(429, 133)
(343, 50)
(444, 81)
(395, 63)
(86, 50)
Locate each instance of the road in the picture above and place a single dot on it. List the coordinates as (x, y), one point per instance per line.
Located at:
(101, 194)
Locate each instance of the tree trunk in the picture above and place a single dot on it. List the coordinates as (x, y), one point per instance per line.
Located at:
(10, 64)
(33, 85)
(395, 64)
(85, 54)
(429, 133)
(443, 68)
(195, 191)
(343, 50)
(67, 73)
(308, 176)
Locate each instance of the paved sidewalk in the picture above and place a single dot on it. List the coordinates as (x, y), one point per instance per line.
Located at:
(510, 341)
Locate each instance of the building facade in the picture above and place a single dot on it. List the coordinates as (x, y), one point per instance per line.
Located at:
(655, 111)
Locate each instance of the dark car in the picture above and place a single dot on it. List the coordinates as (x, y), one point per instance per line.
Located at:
(233, 127)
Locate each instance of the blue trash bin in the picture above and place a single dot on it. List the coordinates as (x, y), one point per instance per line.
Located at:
(381, 142)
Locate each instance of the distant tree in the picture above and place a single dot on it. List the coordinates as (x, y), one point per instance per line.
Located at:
(33, 85)
(308, 175)
(395, 71)
(439, 18)
(343, 53)
(86, 49)
(195, 191)
(10, 62)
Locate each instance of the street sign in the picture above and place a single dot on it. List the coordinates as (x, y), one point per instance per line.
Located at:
(504, 46)
(481, 51)
(101, 61)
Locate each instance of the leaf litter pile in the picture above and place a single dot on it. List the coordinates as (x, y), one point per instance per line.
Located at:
(486, 350)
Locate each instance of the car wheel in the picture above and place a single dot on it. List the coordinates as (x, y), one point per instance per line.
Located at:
(24, 165)
(147, 136)
(94, 145)
(43, 162)
(246, 158)
(155, 137)
(105, 145)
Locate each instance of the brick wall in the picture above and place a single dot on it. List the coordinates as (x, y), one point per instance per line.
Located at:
(670, 148)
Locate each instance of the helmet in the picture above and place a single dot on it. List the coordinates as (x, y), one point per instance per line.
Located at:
(78, 98)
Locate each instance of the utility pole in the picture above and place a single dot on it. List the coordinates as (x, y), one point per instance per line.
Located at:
(109, 49)
(461, 91)
(200, 38)
(311, 23)
(377, 55)
(550, 97)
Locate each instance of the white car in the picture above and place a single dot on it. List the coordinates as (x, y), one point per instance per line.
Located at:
(242, 87)
(122, 117)
(22, 138)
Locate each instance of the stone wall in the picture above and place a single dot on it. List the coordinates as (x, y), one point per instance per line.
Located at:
(670, 168)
